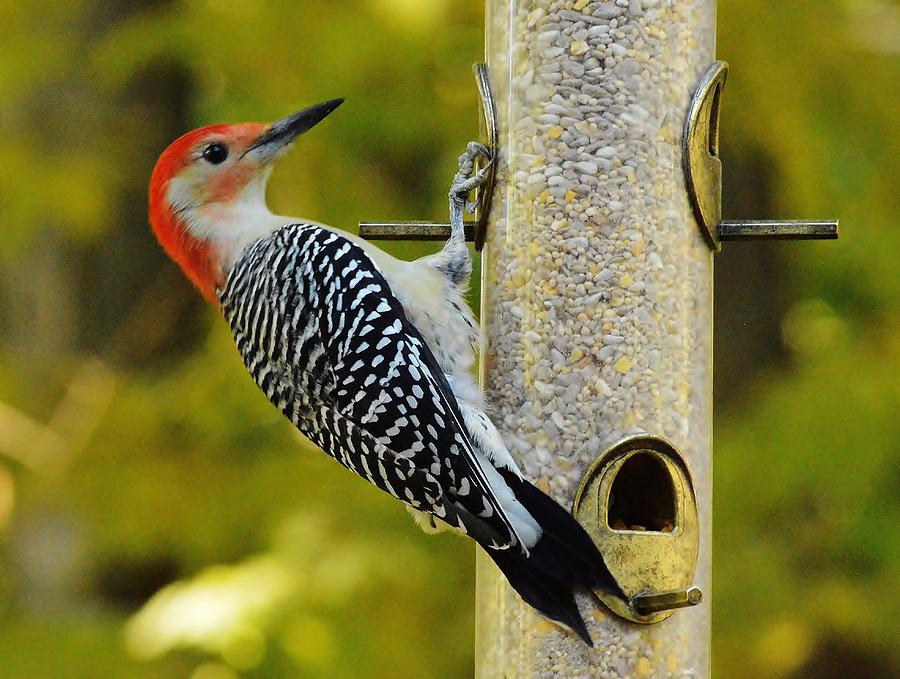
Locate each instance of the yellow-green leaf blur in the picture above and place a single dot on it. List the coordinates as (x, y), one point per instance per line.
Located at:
(158, 518)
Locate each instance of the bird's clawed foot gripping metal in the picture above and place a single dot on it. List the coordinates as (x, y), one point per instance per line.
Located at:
(637, 499)
(468, 179)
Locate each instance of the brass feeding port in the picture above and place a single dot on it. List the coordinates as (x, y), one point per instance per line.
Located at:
(637, 502)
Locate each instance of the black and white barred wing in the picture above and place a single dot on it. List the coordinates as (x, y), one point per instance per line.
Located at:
(328, 342)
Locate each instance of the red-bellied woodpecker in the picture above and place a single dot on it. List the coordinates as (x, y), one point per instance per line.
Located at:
(369, 356)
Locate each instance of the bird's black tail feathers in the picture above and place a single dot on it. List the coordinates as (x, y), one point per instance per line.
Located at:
(563, 560)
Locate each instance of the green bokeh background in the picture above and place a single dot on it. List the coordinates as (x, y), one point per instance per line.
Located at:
(139, 464)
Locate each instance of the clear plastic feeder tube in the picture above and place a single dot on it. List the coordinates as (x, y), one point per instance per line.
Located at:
(597, 293)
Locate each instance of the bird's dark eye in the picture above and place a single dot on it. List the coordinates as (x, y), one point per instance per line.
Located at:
(215, 153)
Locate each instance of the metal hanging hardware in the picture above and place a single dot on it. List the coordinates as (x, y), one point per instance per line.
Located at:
(476, 229)
(703, 176)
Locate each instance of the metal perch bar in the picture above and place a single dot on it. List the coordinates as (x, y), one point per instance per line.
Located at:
(777, 229)
(434, 231)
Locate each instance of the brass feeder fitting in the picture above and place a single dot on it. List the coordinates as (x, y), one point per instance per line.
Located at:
(637, 502)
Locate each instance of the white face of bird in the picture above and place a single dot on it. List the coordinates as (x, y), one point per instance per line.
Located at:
(222, 185)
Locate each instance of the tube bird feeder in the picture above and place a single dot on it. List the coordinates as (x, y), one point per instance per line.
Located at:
(597, 320)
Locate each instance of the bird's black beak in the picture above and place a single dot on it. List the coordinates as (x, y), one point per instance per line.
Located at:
(282, 132)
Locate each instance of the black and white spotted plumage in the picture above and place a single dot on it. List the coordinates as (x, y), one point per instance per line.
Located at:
(328, 342)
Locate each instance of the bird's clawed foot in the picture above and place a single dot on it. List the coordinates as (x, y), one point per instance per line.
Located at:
(465, 181)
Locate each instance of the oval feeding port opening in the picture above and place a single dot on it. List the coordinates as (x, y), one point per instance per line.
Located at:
(642, 497)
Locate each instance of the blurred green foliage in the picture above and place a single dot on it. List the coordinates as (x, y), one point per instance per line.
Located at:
(137, 460)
